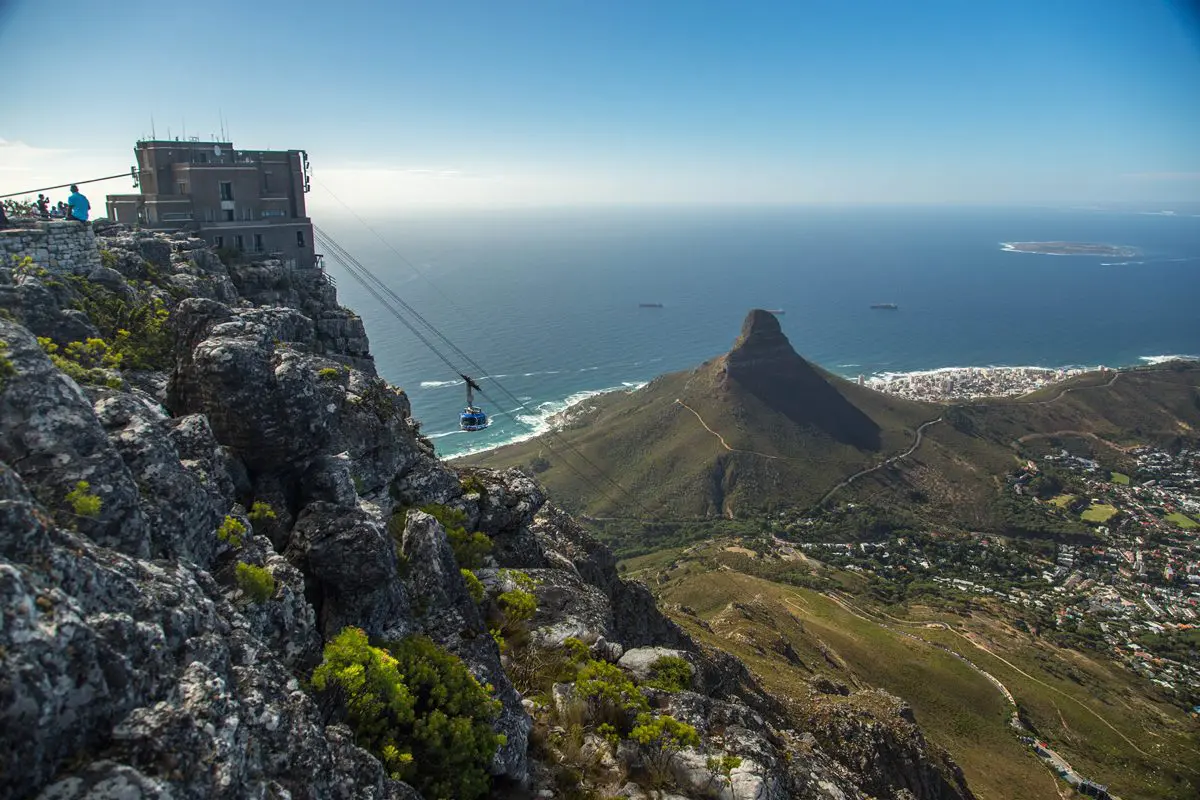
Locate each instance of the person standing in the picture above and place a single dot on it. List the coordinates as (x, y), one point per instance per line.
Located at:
(42, 206)
(78, 205)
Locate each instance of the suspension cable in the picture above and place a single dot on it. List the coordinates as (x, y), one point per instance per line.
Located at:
(365, 283)
(130, 174)
(479, 369)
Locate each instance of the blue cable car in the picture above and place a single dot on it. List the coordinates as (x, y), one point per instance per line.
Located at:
(472, 418)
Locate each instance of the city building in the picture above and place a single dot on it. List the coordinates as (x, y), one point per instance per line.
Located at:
(251, 201)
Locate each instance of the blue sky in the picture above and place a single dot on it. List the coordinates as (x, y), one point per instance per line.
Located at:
(564, 101)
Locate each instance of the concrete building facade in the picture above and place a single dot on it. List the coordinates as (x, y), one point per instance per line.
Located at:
(251, 201)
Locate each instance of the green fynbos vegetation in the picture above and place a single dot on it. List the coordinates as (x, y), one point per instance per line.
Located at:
(84, 503)
(261, 514)
(660, 738)
(136, 327)
(670, 673)
(724, 766)
(474, 585)
(471, 484)
(231, 532)
(469, 548)
(7, 370)
(92, 361)
(329, 374)
(610, 692)
(417, 708)
(257, 583)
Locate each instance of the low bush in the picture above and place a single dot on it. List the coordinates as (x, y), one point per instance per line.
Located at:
(670, 673)
(659, 739)
(135, 325)
(84, 502)
(7, 370)
(474, 585)
(91, 362)
(231, 532)
(611, 694)
(471, 484)
(417, 708)
(257, 583)
(261, 515)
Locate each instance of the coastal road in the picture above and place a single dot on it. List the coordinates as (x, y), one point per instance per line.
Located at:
(882, 464)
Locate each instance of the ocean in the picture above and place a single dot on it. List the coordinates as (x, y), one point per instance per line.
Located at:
(547, 301)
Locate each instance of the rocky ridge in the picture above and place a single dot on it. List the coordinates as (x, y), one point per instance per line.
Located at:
(133, 664)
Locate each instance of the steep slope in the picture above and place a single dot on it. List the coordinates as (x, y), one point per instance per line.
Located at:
(756, 428)
(182, 537)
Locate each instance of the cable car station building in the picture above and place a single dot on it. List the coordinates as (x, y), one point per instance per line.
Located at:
(251, 201)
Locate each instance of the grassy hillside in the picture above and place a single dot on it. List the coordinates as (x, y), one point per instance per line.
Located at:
(789, 634)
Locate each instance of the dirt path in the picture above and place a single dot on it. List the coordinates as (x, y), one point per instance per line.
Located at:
(1019, 671)
(721, 438)
(886, 462)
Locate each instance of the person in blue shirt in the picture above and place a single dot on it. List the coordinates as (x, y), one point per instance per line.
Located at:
(78, 205)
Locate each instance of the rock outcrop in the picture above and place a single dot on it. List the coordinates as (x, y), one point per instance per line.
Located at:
(135, 663)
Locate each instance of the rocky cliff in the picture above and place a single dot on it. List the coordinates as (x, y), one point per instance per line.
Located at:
(170, 425)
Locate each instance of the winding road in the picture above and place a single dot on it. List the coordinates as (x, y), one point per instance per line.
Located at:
(882, 464)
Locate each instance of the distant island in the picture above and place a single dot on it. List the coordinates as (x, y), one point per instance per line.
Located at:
(1068, 249)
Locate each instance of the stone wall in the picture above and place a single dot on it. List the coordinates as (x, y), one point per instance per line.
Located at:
(58, 246)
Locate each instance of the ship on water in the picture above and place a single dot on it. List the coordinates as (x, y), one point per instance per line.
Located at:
(650, 305)
(888, 306)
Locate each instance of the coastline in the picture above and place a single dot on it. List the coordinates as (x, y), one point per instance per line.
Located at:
(939, 385)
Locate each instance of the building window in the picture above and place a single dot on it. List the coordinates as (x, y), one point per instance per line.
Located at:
(226, 190)
(182, 187)
(249, 213)
(258, 243)
(299, 238)
(218, 242)
(228, 214)
(208, 215)
(267, 182)
(239, 242)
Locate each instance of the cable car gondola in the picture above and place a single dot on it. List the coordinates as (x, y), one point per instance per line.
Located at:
(472, 418)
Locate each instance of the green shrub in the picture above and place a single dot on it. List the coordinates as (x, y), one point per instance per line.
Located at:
(136, 327)
(724, 766)
(84, 503)
(471, 484)
(92, 361)
(670, 673)
(577, 651)
(517, 606)
(474, 585)
(257, 583)
(231, 532)
(610, 692)
(329, 374)
(658, 739)
(418, 709)
(7, 370)
(261, 514)
(469, 548)
(498, 638)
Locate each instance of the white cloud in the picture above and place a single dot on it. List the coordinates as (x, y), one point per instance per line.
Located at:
(25, 167)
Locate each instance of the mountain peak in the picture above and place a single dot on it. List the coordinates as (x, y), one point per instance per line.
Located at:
(764, 364)
(761, 338)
